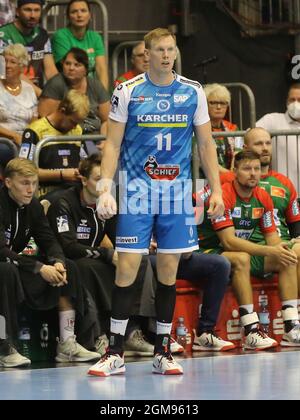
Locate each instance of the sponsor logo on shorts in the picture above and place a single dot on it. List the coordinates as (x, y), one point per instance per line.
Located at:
(126, 239)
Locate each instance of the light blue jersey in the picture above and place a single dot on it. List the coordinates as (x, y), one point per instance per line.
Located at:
(156, 155)
(156, 149)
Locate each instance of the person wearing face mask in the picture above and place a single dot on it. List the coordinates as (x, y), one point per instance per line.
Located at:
(286, 151)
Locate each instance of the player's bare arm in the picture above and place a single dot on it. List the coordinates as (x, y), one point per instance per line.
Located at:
(209, 161)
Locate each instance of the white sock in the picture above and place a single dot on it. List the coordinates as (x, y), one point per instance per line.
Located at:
(66, 324)
(292, 303)
(163, 328)
(248, 308)
(118, 326)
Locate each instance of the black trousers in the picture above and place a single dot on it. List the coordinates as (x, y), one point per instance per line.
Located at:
(17, 285)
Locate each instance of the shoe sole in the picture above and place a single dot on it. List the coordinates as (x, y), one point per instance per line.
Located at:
(260, 348)
(180, 351)
(168, 372)
(225, 348)
(289, 344)
(104, 374)
(63, 359)
(130, 353)
(23, 364)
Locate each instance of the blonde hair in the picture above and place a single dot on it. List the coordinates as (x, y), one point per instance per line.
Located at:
(75, 102)
(20, 166)
(217, 90)
(157, 34)
(19, 52)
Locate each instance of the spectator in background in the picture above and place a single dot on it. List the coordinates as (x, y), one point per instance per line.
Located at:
(74, 76)
(58, 162)
(26, 30)
(18, 102)
(7, 12)
(286, 150)
(139, 61)
(218, 99)
(78, 35)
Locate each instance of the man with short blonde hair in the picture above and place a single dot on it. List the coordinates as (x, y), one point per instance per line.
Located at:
(43, 282)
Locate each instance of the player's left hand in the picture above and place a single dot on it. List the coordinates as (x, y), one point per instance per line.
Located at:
(216, 206)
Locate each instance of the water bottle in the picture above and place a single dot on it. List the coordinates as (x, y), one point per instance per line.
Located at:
(264, 315)
(181, 332)
(24, 338)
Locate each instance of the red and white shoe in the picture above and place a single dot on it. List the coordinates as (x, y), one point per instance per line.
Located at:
(175, 348)
(164, 364)
(109, 364)
(209, 341)
(258, 340)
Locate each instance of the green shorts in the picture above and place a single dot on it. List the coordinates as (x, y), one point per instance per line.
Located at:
(257, 263)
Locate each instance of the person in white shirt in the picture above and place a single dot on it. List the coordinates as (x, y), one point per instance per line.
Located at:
(287, 148)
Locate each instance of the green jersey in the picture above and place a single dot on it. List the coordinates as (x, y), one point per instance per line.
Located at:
(245, 215)
(286, 207)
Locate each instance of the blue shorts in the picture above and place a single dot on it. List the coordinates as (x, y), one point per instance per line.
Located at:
(174, 231)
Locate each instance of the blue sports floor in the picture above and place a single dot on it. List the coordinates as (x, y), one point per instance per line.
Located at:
(263, 375)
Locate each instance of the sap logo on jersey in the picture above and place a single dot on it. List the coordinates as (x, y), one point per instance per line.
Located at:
(180, 99)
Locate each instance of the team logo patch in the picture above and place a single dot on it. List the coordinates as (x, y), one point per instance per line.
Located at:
(160, 172)
(277, 192)
(163, 105)
(114, 103)
(237, 212)
(62, 224)
(257, 212)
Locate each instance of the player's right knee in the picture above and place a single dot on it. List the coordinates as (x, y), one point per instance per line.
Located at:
(241, 261)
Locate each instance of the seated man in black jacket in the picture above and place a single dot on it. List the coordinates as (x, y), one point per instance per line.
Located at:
(44, 282)
(75, 222)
